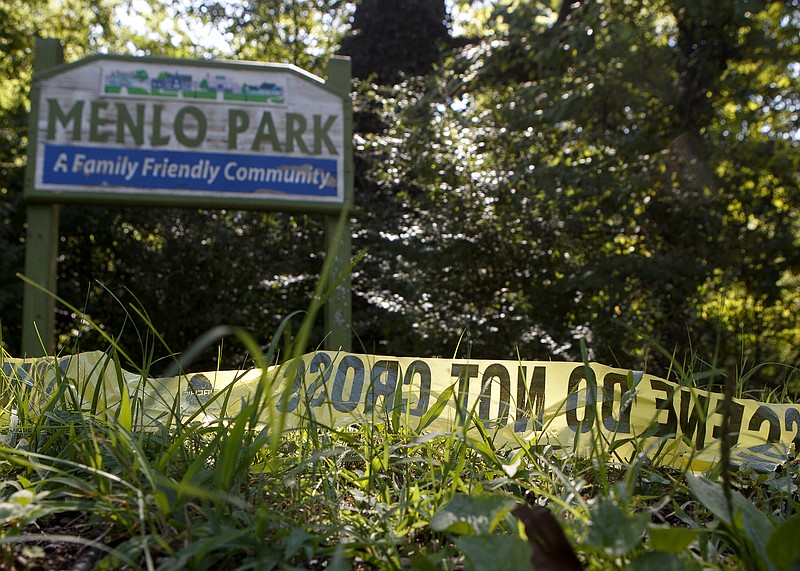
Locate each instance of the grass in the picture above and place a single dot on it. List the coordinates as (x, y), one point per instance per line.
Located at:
(368, 496)
(83, 486)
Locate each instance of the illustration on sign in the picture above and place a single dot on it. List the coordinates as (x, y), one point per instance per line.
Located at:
(207, 86)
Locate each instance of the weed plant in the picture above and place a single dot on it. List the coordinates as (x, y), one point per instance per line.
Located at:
(82, 486)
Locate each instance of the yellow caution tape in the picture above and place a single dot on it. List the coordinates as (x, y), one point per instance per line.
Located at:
(582, 408)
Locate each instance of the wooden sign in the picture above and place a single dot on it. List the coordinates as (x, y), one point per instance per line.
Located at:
(160, 131)
(120, 130)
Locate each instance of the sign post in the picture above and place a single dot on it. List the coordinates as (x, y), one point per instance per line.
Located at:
(338, 314)
(41, 242)
(120, 130)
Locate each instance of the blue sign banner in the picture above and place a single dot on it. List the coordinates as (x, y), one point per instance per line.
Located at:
(84, 167)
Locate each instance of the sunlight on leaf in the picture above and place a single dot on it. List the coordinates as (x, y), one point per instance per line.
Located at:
(469, 514)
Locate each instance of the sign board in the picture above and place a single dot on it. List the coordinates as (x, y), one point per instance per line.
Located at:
(116, 129)
(121, 130)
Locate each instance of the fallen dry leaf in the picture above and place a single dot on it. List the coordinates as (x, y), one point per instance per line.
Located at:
(550, 550)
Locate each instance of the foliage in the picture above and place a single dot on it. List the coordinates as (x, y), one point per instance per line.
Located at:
(187, 270)
(590, 165)
(301, 32)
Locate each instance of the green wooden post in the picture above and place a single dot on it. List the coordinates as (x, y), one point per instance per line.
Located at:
(338, 309)
(41, 242)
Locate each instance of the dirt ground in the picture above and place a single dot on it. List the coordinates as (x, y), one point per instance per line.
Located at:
(59, 543)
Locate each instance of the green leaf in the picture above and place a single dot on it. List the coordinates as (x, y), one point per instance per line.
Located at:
(297, 538)
(495, 552)
(437, 408)
(23, 506)
(125, 411)
(231, 450)
(783, 545)
(422, 562)
(657, 561)
(469, 514)
(338, 562)
(671, 539)
(614, 530)
(748, 524)
(397, 407)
